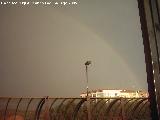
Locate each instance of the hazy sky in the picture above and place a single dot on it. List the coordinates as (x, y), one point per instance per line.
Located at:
(43, 49)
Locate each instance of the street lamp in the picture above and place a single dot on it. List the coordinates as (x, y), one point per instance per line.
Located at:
(87, 63)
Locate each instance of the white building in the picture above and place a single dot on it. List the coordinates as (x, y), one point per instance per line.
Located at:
(116, 93)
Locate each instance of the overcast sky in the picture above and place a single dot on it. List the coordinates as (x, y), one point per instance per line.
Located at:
(43, 49)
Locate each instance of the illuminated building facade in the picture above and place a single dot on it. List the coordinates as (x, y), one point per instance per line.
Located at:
(116, 93)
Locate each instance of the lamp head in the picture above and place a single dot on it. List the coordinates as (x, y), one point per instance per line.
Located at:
(87, 62)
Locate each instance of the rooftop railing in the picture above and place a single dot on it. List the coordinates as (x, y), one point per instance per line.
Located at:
(74, 108)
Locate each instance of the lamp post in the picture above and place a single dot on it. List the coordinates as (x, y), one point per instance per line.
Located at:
(87, 63)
